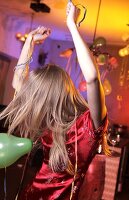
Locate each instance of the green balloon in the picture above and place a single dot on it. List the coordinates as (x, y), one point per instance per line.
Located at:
(12, 148)
(99, 41)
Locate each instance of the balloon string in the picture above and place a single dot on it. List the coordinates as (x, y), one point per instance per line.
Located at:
(22, 178)
(5, 185)
(68, 64)
(76, 165)
(96, 24)
(103, 74)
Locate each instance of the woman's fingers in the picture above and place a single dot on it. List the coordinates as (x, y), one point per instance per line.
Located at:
(68, 8)
(35, 31)
(72, 13)
(40, 34)
(47, 32)
(41, 30)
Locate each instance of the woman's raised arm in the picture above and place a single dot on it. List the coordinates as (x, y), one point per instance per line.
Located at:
(38, 35)
(95, 93)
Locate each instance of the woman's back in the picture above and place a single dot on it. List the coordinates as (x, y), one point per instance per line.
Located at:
(48, 185)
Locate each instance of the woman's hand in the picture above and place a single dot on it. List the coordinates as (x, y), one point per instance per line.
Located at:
(40, 34)
(36, 36)
(72, 13)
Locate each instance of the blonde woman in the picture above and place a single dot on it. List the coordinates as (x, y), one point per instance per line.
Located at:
(49, 107)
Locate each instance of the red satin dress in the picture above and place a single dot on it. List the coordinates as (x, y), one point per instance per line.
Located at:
(51, 186)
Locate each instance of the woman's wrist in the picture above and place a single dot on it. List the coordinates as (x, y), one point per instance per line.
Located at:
(29, 40)
(26, 53)
(23, 65)
(71, 24)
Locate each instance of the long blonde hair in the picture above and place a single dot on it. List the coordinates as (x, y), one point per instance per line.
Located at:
(47, 100)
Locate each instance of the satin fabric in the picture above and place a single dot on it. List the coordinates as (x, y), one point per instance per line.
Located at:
(48, 185)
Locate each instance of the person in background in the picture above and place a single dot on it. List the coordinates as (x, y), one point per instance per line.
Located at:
(47, 106)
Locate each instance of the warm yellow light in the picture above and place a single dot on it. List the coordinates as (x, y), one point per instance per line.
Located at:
(119, 98)
(22, 39)
(126, 52)
(121, 53)
(18, 35)
(121, 83)
(26, 35)
(125, 37)
(107, 87)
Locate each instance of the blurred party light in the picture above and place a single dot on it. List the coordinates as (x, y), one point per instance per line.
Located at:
(99, 41)
(124, 51)
(66, 53)
(107, 87)
(125, 37)
(22, 37)
(101, 59)
(82, 86)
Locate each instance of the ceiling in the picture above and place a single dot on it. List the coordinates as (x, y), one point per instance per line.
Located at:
(113, 21)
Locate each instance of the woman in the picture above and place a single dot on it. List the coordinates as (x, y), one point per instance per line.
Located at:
(48, 106)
